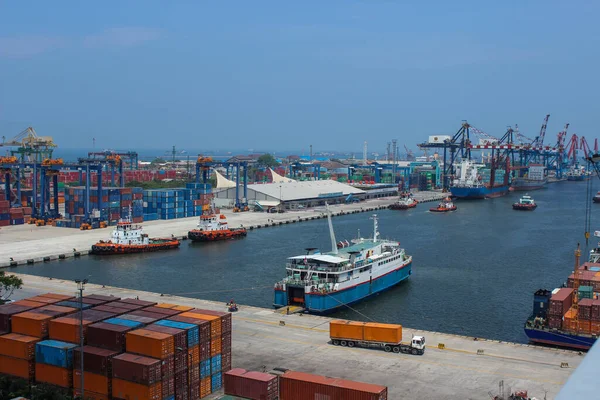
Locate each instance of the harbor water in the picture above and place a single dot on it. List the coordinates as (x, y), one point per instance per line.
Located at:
(474, 270)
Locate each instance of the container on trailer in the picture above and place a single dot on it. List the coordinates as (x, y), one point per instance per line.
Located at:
(346, 329)
(387, 333)
(18, 367)
(107, 336)
(149, 343)
(20, 346)
(295, 385)
(54, 352)
(136, 368)
(95, 360)
(251, 385)
(58, 376)
(31, 323)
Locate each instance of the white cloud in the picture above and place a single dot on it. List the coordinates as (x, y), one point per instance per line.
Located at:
(26, 46)
(121, 37)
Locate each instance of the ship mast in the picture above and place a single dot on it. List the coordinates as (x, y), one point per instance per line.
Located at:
(334, 248)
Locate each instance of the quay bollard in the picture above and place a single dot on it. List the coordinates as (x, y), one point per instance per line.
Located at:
(441, 346)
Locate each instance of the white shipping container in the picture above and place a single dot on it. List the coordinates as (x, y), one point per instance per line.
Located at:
(536, 173)
(439, 139)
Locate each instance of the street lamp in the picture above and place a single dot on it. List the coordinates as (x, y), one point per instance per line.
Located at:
(81, 286)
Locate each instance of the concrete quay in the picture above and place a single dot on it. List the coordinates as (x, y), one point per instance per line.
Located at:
(464, 368)
(28, 244)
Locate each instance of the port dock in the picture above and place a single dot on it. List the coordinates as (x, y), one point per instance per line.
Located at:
(28, 244)
(452, 366)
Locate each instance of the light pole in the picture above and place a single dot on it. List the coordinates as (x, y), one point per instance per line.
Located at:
(81, 286)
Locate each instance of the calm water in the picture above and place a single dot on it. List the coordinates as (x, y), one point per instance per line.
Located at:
(474, 270)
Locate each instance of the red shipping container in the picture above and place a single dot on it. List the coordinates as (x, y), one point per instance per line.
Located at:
(181, 385)
(107, 336)
(95, 360)
(204, 351)
(250, 385)
(168, 386)
(138, 302)
(55, 311)
(226, 361)
(110, 309)
(585, 309)
(596, 310)
(126, 305)
(561, 302)
(91, 395)
(165, 311)
(102, 297)
(138, 369)
(554, 322)
(595, 327)
(295, 385)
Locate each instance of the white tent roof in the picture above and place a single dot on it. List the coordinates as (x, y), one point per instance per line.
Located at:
(301, 190)
(222, 182)
(278, 178)
(321, 257)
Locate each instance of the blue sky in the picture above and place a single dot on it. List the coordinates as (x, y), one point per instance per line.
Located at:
(280, 75)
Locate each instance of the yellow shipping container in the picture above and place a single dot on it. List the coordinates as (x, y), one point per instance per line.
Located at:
(346, 330)
(388, 333)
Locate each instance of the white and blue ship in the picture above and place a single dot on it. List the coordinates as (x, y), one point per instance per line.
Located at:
(470, 183)
(351, 272)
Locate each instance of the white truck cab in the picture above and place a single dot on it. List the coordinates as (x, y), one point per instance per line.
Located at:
(418, 342)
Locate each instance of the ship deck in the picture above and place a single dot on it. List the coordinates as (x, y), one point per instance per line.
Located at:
(466, 368)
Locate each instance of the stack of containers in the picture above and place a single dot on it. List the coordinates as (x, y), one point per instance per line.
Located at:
(97, 372)
(585, 315)
(17, 217)
(251, 385)
(4, 212)
(595, 317)
(560, 302)
(136, 377)
(295, 385)
(54, 363)
(17, 355)
(176, 203)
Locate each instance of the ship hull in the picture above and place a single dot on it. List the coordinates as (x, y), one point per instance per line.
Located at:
(479, 192)
(522, 207)
(318, 303)
(558, 338)
(596, 199)
(114, 249)
(213, 236)
(400, 206)
(576, 178)
(520, 184)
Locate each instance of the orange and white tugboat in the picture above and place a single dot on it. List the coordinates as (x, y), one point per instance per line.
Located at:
(525, 203)
(129, 238)
(446, 205)
(405, 201)
(212, 227)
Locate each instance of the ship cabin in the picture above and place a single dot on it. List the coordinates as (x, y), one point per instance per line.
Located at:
(127, 233)
(212, 222)
(526, 200)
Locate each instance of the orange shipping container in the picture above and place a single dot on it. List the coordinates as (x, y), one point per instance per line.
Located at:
(182, 308)
(45, 373)
(585, 326)
(165, 305)
(215, 322)
(215, 346)
(18, 346)
(133, 391)
(150, 343)
(569, 322)
(595, 327)
(90, 395)
(29, 303)
(31, 324)
(194, 355)
(387, 333)
(93, 382)
(17, 367)
(56, 296)
(340, 329)
(205, 388)
(67, 329)
(45, 300)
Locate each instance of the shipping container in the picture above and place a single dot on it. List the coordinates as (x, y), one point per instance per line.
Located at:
(204, 368)
(127, 306)
(251, 385)
(215, 322)
(126, 390)
(193, 356)
(216, 382)
(561, 301)
(111, 309)
(93, 315)
(151, 344)
(192, 337)
(124, 322)
(179, 335)
(92, 382)
(168, 387)
(107, 336)
(596, 310)
(102, 297)
(226, 361)
(45, 373)
(16, 345)
(91, 395)
(204, 351)
(554, 322)
(162, 311)
(54, 352)
(135, 368)
(295, 385)
(95, 360)
(93, 301)
(28, 303)
(584, 305)
(6, 312)
(51, 298)
(166, 305)
(570, 323)
(215, 346)
(205, 387)
(346, 329)
(18, 367)
(147, 314)
(31, 323)
(138, 302)
(225, 318)
(67, 329)
(203, 326)
(388, 333)
(55, 311)
(181, 385)
(138, 318)
(215, 364)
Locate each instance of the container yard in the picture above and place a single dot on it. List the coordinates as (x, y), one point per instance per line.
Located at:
(264, 341)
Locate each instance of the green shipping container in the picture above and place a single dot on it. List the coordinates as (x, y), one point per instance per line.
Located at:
(586, 292)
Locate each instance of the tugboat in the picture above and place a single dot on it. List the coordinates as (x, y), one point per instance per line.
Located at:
(128, 238)
(596, 198)
(212, 227)
(405, 201)
(446, 205)
(525, 203)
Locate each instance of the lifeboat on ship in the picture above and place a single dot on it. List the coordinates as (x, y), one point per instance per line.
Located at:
(446, 205)
(213, 227)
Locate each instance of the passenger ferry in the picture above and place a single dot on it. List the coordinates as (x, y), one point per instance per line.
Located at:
(321, 283)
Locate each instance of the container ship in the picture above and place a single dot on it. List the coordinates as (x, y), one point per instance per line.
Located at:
(533, 180)
(321, 283)
(127, 238)
(476, 182)
(569, 316)
(577, 173)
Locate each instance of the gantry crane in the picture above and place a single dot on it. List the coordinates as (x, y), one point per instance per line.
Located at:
(30, 147)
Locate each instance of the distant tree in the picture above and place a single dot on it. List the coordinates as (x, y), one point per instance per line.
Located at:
(8, 284)
(158, 161)
(267, 160)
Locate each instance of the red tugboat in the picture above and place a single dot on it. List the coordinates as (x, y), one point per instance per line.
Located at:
(212, 227)
(128, 238)
(596, 198)
(405, 201)
(525, 203)
(445, 205)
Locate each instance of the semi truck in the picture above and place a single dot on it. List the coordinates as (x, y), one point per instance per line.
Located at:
(370, 334)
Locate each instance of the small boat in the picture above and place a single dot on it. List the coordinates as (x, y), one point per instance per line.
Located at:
(128, 238)
(212, 227)
(525, 203)
(596, 198)
(445, 205)
(405, 201)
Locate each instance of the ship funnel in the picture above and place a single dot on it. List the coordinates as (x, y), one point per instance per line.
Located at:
(334, 248)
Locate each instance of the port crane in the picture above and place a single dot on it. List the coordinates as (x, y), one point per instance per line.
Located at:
(30, 146)
(410, 156)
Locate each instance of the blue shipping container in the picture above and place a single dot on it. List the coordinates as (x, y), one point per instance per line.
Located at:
(54, 352)
(193, 333)
(215, 364)
(205, 368)
(216, 382)
(123, 322)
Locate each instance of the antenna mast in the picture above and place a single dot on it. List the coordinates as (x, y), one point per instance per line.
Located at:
(334, 248)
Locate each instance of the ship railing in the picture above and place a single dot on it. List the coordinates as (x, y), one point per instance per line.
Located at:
(317, 269)
(306, 282)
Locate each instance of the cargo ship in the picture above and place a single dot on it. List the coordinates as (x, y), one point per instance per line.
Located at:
(213, 226)
(533, 180)
(470, 183)
(577, 173)
(569, 316)
(321, 283)
(405, 201)
(128, 238)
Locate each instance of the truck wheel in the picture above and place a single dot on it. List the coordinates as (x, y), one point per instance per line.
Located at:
(404, 350)
(421, 352)
(335, 342)
(387, 348)
(396, 349)
(414, 352)
(350, 344)
(344, 343)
